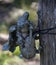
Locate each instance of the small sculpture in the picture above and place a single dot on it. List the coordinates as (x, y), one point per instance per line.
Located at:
(22, 35)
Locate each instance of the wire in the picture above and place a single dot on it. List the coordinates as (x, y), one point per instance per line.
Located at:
(45, 31)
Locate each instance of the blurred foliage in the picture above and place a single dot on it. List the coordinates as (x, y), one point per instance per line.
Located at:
(3, 27)
(6, 58)
(23, 3)
(17, 3)
(33, 16)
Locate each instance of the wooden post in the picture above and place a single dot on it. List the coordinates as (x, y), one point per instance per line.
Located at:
(47, 19)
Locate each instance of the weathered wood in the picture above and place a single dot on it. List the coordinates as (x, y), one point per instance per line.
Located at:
(47, 19)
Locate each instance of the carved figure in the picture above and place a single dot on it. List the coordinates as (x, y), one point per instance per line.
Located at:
(22, 35)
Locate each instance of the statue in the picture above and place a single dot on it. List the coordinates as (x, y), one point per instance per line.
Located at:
(22, 35)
